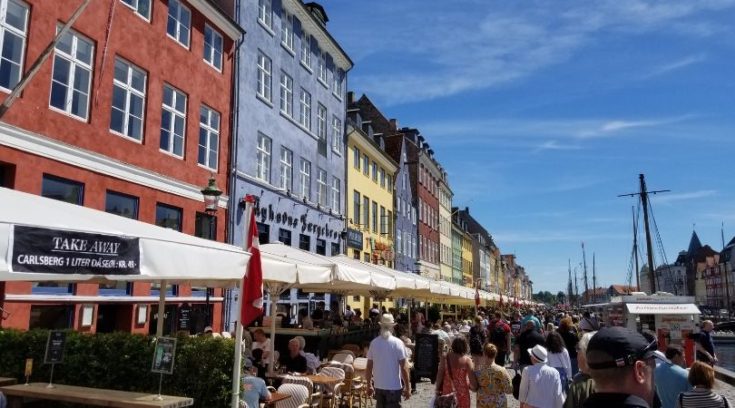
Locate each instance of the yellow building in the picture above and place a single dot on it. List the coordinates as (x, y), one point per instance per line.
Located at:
(467, 261)
(369, 193)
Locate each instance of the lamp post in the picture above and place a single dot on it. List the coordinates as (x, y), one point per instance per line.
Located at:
(211, 195)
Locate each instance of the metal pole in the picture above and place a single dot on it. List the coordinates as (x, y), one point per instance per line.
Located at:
(649, 245)
(635, 251)
(161, 307)
(249, 204)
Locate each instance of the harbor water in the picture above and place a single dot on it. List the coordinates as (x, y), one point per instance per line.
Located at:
(726, 354)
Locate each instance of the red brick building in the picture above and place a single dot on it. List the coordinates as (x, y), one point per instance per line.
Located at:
(130, 114)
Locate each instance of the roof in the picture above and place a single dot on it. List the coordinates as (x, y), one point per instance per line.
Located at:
(219, 17)
(694, 244)
(622, 289)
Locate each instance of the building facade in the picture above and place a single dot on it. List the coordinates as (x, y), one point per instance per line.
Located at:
(456, 254)
(112, 122)
(445, 227)
(290, 147)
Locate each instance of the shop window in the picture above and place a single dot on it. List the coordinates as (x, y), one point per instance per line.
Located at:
(264, 231)
(355, 254)
(168, 216)
(335, 249)
(321, 247)
(121, 204)
(284, 236)
(304, 242)
(7, 175)
(62, 189)
(51, 317)
(205, 226)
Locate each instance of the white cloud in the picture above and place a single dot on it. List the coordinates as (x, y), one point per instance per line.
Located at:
(554, 145)
(666, 198)
(676, 65)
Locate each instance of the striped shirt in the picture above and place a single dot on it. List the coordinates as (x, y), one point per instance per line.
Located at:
(701, 398)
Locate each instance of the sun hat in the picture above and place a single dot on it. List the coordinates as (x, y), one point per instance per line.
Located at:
(539, 353)
(208, 329)
(387, 320)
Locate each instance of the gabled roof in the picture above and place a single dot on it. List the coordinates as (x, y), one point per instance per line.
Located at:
(622, 289)
(694, 244)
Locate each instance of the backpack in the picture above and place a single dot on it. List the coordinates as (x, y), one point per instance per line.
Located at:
(498, 336)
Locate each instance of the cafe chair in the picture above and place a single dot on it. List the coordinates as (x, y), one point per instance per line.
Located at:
(299, 396)
(332, 392)
(315, 396)
(354, 348)
(344, 357)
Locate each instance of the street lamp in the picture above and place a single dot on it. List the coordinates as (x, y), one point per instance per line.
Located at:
(211, 195)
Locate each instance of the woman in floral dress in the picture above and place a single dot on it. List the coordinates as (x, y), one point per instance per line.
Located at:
(493, 382)
(456, 373)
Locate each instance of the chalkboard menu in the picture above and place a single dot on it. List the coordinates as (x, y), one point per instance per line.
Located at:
(163, 356)
(55, 347)
(185, 317)
(426, 356)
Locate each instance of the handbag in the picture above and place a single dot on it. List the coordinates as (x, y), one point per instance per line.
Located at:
(516, 382)
(447, 400)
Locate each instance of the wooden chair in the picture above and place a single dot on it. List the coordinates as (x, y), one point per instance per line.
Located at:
(299, 396)
(332, 393)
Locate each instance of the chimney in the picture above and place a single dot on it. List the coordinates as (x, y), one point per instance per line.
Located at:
(350, 98)
(317, 11)
(393, 124)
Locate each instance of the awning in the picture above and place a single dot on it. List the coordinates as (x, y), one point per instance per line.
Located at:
(662, 308)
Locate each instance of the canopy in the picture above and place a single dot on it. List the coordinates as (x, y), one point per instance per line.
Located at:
(63, 235)
(309, 268)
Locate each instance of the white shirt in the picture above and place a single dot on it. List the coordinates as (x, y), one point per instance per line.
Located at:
(541, 387)
(386, 355)
(266, 346)
(561, 360)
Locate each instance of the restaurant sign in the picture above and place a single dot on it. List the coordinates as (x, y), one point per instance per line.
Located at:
(354, 239)
(43, 250)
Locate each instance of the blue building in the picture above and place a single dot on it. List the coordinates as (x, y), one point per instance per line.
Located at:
(289, 145)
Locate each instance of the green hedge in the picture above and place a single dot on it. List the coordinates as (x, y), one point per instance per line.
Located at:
(122, 361)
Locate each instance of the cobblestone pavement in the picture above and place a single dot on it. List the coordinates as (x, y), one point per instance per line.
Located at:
(426, 391)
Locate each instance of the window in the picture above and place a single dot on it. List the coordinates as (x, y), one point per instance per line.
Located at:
(284, 236)
(121, 204)
(305, 179)
(321, 187)
(306, 50)
(323, 67)
(337, 134)
(389, 182)
(390, 224)
(337, 87)
(13, 33)
(179, 22)
(335, 249)
(304, 242)
(212, 47)
(321, 129)
(336, 195)
(141, 7)
(399, 241)
(366, 257)
(173, 121)
(264, 232)
(287, 30)
(208, 137)
(381, 174)
(375, 172)
(263, 170)
(265, 13)
(399, 204)
(286, 169)
(356, 158)
(365, 212)
(264, 77)
(72, 74)
(305, 109)
(356, 255)
(168, 216)
(356, 207)
(365, 165)
(383, 221)
(321, 247)
(286, 94)
(62, 189)
(375, 217)
(205, 226)
(128, 100)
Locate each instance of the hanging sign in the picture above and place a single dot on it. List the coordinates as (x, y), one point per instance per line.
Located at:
(42, 250)
(354, 239)
(163, 356)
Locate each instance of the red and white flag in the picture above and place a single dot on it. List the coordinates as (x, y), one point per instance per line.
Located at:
(251, 300)
(477, 297)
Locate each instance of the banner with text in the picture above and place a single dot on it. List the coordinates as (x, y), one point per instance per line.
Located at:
(42, 250)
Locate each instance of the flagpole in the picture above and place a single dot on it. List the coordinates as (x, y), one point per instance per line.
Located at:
(238, 324)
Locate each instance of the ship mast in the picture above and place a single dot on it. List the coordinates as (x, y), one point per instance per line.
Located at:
(586, 286)
(594, 278)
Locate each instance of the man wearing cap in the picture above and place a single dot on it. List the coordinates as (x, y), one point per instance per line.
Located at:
(540, 384)
(621, 362)
(671, 377)
(529, 338)
(253, 389)
(387, 371)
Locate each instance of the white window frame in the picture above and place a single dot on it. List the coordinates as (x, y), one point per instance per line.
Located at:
(305, 109)
(305, 179)
(135, 5)
(337, 83)
(211, 129)
(287, 39)
(177, 18)
(130, 91)
(321, 122)
(399, 241)
(263, 158)
(337, 134)
(381, 175)
(321, 187)
(7, 29)
(323, 68)
(214, 59)
(265, 77)
(336, 195)
(265, 13)
(74, 65)
(306, 51)
(286, 101)
(175, 113)
(286, 181)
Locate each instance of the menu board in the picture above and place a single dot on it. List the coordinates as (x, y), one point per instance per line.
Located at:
(55, 347)
(163, 356)
(185, 317)
(426, 356)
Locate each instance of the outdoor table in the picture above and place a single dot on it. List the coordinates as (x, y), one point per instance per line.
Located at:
(277, 397)
(323, 379)
(90, 396)
(7, 381)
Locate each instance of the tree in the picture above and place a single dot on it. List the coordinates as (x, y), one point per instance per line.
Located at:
(561, 297)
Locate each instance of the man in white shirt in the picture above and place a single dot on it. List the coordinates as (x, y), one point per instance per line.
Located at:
(387, 371)
(263, 343)
(540, 384)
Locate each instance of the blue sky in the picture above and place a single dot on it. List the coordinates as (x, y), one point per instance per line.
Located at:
(544, 111)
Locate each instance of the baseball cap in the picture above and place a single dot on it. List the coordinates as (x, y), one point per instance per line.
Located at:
(247, 363)
(618, 346)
